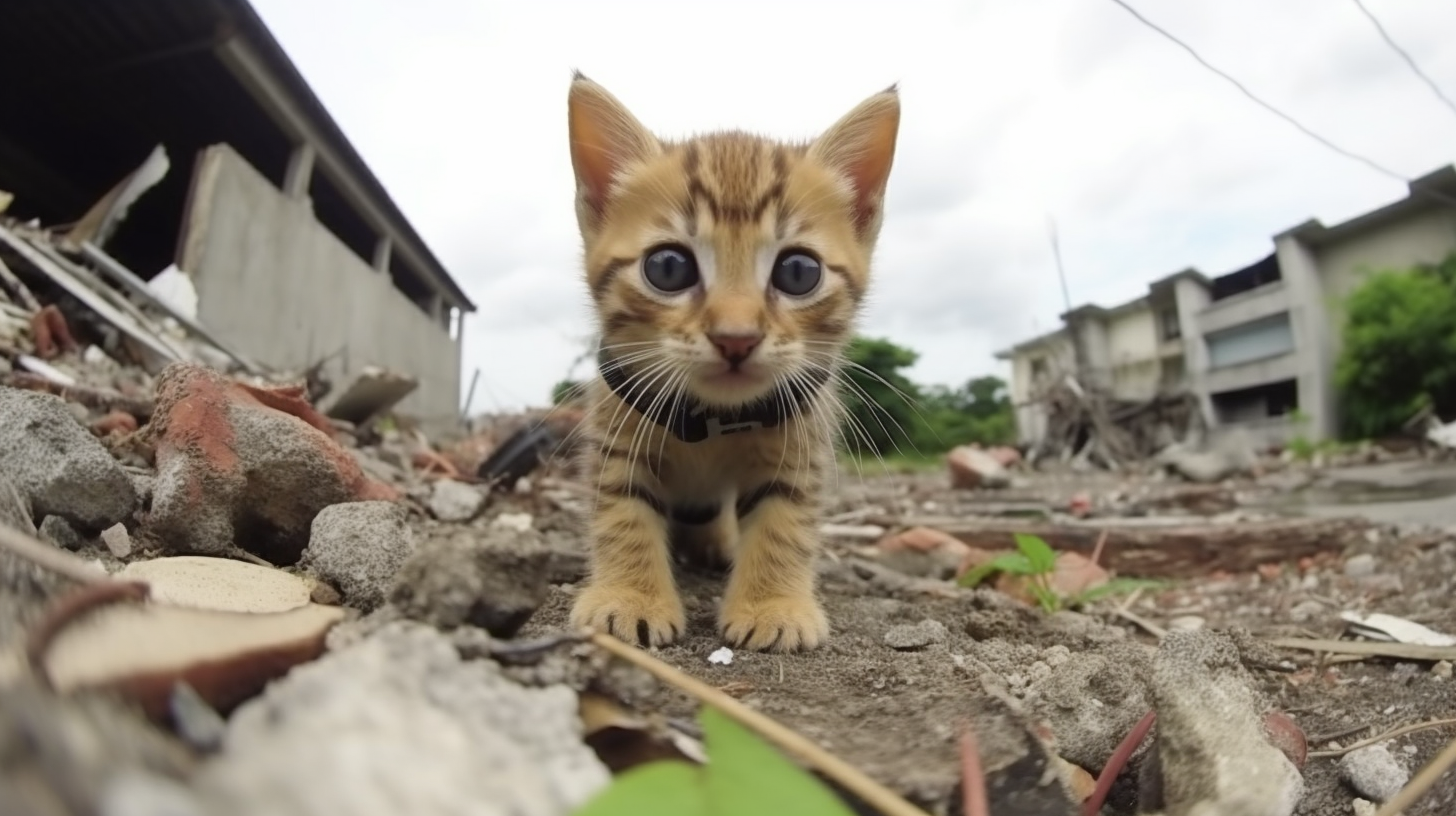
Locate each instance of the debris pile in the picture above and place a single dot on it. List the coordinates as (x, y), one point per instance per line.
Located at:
(1088, 427)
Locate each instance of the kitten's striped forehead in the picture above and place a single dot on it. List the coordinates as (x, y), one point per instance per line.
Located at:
(736, 180)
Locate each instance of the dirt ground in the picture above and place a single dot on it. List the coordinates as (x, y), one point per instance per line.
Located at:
(895, 712)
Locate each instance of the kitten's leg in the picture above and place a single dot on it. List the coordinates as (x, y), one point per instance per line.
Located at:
(770, 602)
(631, 593)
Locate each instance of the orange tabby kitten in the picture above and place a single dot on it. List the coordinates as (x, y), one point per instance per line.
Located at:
(726, 271)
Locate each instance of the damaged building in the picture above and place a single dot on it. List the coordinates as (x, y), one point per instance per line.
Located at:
(1252, 351)
(177, 133)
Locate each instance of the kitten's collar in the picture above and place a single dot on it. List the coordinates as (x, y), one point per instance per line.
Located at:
(691, 421)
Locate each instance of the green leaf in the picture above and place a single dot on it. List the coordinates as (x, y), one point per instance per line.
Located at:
(1013, 563)
(1040, 554)
(744, 775)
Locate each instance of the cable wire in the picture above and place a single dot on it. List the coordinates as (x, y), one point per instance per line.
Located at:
(1368, 162)
(1405, 55)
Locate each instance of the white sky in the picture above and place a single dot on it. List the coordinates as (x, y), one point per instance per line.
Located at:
(1012, 111)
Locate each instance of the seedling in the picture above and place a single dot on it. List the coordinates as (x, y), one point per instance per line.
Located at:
(1037, 561)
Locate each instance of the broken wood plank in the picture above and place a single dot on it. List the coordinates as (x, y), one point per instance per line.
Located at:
(97, 303)
(1177, 549)
(17, 288)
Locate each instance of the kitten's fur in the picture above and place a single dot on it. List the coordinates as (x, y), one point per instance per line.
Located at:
(736, 202)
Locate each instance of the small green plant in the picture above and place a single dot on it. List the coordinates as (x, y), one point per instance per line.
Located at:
(743, 775)
(1037, 561)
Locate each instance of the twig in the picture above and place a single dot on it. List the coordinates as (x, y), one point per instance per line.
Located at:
(48, 557)
(1410, 728)
(1097, 550)
(973, 776)
(846, 775)
(1152, 628)
(1422, 783)
(1117, 762)
(1407, 651)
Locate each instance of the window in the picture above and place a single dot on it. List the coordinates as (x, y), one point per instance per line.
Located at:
(1168, 326)
(1256, 340)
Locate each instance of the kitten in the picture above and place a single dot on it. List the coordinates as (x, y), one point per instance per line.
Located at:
(726, 272)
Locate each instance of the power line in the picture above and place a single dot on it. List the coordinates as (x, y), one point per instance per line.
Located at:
(1405, 55)
(1372, 164)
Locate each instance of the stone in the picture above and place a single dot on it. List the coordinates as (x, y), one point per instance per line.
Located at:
(1360, 566)
(59, 532)
(495, 581)
(358, 547)
(1186, 623)
(398, 722)
(15, 507)
(1373, 772)
(455, 501)
(58, 465)
(972, 468)
(911, 636)
(924, 552)
(117, 540)
(242, 466)
(1091, 699)
(1442, 670)
(1208, 706)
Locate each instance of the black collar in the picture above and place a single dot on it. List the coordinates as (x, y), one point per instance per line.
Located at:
(691, 421)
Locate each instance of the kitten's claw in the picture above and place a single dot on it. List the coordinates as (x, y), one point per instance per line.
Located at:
(631, 615)
(783, 624)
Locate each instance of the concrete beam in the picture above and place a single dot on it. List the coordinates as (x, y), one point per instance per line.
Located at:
(249, 69)
(382, 249)
(300, 171)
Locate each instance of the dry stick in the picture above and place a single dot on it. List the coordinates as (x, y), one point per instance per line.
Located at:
(1422, 783)
(43, 555)
(1389, 735)
(973, 776)
(1117, 762)
(852, 779)
(1408, 651)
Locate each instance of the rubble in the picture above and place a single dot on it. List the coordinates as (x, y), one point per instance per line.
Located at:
(358, 547)
(972, 468)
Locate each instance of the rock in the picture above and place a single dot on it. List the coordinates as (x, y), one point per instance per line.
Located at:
(972, 468)
(1186, 623)
(398, 721)
(358, 547)
(1208, 707)
(58, 465)
(1091, 700)
(924, 552)
(24, 587)
(1373, 772)
(59, 532)
(519, 522)
(495, 581)
(455, 501)
(1360, 566)
(1364, 807)
(244, 466)
(911, 636)
(117, 539)
(1442, 670)
(15, 507)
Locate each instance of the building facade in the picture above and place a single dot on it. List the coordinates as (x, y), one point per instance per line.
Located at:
(1256, 346)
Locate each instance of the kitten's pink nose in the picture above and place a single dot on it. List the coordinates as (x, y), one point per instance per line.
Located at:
(736, 347)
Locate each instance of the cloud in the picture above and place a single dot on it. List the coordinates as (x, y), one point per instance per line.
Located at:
(1012, 112)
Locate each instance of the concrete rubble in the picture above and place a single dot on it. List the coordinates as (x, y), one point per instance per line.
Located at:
(401, 643)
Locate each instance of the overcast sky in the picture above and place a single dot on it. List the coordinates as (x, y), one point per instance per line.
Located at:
(1012, 111)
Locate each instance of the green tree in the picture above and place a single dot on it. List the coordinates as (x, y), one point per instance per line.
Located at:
(1399, 350)
(880, 399)
(565, 391)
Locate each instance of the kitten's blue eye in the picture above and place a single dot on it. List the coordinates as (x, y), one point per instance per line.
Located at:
(670, 268)
(796, 273)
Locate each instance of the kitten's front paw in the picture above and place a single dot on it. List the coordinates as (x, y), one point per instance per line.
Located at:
(630, 614)
(781, 624)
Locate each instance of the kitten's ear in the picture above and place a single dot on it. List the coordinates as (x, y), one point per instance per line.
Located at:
(605, 138)
(861, 147)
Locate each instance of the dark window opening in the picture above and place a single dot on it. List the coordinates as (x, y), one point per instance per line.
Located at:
(1258, 402)
(1251, 277)
(339, 217)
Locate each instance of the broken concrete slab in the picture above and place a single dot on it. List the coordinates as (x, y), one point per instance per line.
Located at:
(399, 720)
(60, 467)
(454, 501)
(358, 547)
(495, 581)
(374, 391)
(238, 466)
(972, 468)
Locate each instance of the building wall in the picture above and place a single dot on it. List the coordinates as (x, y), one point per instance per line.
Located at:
(1133, 352)
(1057, 358)
(280, 287)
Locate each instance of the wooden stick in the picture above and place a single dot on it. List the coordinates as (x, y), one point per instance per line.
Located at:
(44, 555)
(1422, 783)
(852, 779)
(1388, 735)
(1406, 651)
